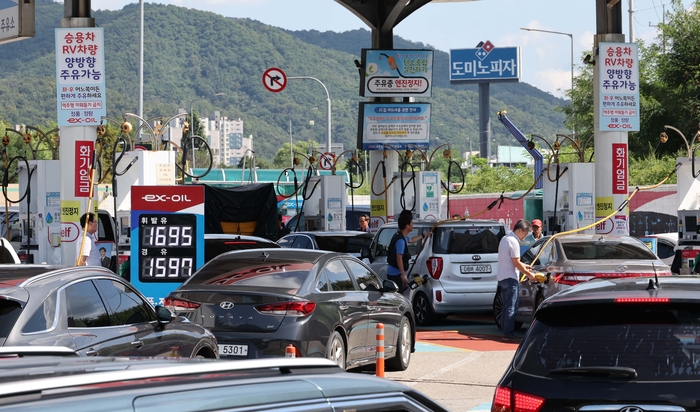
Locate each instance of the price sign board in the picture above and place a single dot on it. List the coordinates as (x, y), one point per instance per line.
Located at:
(167, 237)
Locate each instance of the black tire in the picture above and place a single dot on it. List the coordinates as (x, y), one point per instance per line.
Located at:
(423, 310)
(498, 309)
(335, 350)
(404, 343)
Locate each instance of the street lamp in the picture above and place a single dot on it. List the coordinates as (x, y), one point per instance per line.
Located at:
(571, 37)
(328, 108)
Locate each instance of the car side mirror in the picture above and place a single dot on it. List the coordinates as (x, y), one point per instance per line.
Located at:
(163, 315)
(390, 286)
(366, 254)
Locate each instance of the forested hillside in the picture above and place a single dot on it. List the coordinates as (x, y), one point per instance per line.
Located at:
(191, 55)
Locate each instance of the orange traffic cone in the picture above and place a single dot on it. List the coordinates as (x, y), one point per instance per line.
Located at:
(290, 351)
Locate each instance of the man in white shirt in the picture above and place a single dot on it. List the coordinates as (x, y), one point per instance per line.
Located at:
(508, 280)
(87, 252)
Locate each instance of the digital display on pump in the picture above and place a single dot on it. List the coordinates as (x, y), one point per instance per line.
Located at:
(167, 247)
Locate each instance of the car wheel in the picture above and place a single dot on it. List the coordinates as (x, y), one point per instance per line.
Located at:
(335, 350)
(422, 310)
(498, 310)
(404, 343)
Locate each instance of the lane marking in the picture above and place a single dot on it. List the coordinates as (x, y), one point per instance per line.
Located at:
(431, 376)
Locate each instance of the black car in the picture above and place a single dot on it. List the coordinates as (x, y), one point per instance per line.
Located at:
(111, 384)
(325, 304)
(93, 312)
(348, 241)
(625, 344)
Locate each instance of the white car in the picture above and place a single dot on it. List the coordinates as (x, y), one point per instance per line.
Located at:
(459, 263)
(7, 252)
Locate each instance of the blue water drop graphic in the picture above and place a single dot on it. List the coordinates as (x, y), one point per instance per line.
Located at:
(580, 216)
(49, 218)
(330, 217)
(425, 207)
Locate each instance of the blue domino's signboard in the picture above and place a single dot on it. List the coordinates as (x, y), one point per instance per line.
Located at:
(485, 63)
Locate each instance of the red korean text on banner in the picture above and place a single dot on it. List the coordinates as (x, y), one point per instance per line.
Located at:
(619, 169)
(83, 158)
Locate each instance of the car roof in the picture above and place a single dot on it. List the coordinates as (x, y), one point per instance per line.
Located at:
(583, 237)
(677, 288)
(26, 274)
(353, 233)
(451, 222)
(304, 255)
(226, 236)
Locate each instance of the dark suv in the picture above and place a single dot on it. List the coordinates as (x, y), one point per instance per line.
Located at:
(626, 344)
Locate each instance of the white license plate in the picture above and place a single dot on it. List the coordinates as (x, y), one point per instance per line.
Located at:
(475, 268)
(233, 350)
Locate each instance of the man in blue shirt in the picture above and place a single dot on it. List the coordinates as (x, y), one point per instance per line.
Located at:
(398, 254)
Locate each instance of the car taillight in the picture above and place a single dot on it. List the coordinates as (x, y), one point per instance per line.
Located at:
(574, 278)
(295, 308)
(502, 401)
(26, 257)
(435, 267)
(179, 305)
(570, 278)
(642, 300)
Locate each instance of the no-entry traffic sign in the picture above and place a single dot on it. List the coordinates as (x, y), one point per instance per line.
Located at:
(274, 79)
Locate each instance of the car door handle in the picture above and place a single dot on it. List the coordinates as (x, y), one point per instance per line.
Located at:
(91, 352)
(370, 307)
(137, 343)
(343, 307)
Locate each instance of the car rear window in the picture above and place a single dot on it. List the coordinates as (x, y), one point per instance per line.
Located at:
(253, 272)
(606, 250)
(659, 341)
(9, 312)
(215, 247)
(467, 239)
(344, 244)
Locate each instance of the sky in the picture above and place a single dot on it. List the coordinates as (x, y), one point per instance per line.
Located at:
(545, 57)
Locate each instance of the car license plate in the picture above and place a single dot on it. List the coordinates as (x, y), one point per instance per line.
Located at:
(475, 268)
(233, 350)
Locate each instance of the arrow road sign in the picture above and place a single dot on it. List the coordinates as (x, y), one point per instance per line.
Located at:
(274, 79)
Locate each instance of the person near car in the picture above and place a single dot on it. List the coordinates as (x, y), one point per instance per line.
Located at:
(536, 233)
(281, 230)
(508, 266)
(86, 246)
(398, 254)
(104, 259)
(364, 223)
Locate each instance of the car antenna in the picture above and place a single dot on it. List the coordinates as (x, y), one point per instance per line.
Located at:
(264, 256)
(653, 284)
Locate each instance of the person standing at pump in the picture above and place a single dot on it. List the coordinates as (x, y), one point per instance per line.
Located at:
(86, 248)
(535, 235)
(398, 254)
(364, 223)
(508, 280)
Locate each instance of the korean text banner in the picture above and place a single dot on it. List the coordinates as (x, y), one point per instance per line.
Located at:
(618, 65)
(397, 73)
(486, 63)
(399, 125)
(80, 76)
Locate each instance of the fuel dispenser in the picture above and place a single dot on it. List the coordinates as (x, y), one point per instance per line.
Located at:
(40, 211)
(419, 192)
(568, 201)
(149, 168)
(325, 207)
(688, 216)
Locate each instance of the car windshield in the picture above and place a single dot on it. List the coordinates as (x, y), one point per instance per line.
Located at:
(344, 244)
(598, 250)
(658, 341)
(467, 239)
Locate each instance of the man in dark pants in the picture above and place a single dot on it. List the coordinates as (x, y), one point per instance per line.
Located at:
(508, 280)
(398, 254)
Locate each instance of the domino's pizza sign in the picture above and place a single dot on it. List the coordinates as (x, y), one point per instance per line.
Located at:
(486, 63)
